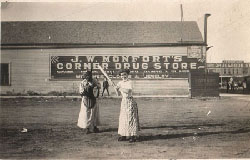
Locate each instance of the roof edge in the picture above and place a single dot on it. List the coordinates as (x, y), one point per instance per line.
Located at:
(91, 21)
(104, 45)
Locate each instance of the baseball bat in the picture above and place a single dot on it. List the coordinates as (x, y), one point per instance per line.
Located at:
(105, 74)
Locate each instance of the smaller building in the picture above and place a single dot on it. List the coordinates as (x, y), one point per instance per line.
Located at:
(237, 69)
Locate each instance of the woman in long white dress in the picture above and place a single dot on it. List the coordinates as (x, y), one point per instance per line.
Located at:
(129, 118)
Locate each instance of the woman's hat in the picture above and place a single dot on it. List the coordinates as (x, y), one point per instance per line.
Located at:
(124, 70)
(88, 73)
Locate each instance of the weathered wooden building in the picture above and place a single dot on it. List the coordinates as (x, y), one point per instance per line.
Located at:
(45, 56)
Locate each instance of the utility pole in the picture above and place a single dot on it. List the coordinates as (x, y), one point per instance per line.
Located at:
(205, 27)
(205, 38)
(205, 42)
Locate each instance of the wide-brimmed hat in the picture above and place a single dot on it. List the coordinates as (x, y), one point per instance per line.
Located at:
(87, 74)
(123, 70)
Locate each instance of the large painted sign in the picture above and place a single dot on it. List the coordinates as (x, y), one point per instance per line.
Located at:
(141, 67)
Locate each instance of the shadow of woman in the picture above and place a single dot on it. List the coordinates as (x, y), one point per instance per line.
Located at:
(182, 135)
(184, 126)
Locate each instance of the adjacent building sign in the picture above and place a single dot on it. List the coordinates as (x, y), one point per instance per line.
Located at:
(148, 67)
(232, 61)
(225, 65)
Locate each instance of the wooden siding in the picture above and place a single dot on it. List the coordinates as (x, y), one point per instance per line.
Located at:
(204, 85)
(30, 70)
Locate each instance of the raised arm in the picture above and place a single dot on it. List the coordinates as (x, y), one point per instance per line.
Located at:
(126, 88)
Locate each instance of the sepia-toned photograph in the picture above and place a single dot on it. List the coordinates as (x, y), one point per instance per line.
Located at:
(125, 79)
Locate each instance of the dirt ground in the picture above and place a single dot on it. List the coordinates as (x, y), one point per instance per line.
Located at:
(171, 128)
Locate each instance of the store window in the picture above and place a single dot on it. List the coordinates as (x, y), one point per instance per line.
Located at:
(225, 71)
(5, 74)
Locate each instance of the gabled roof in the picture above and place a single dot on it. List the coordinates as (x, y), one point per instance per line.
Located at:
(99, 32)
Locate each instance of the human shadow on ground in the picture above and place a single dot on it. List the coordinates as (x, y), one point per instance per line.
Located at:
(109, 130)
(182, 135)
(185, 126)
(172, 127)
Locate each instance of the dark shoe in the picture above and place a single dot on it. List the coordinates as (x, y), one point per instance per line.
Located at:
(132, 139)
(96, 130)
(87, 131)
(122, 138)
(137, 139)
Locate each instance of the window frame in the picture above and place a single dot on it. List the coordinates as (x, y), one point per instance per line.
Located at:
(9, 74)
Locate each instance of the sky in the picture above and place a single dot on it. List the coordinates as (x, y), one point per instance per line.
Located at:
(228, 26)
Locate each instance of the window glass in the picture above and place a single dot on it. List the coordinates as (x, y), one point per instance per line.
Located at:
(4, 74)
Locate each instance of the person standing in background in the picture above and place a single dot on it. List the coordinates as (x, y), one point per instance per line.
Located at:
(228, 86)
(244, 85)
(232, 86)
(105, 86)
(231, 83)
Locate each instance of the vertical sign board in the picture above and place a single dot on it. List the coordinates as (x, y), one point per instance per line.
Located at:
(194, 51)
(204, 84)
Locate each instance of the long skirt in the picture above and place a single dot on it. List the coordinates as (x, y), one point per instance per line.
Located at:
(129, 118)
(88, 118)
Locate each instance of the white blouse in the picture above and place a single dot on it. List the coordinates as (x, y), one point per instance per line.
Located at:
(125, 85)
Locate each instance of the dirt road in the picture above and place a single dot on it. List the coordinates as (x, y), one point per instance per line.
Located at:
(171, 128)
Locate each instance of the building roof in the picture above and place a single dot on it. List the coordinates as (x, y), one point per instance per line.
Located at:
(99, 32)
